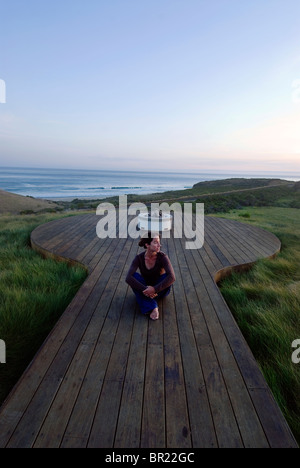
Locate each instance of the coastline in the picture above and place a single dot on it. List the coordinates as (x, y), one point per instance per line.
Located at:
(184, 193)
(216, 194)
(68, 185)
(70, 199)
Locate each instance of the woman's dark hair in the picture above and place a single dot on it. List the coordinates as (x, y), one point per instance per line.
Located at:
(148, 238)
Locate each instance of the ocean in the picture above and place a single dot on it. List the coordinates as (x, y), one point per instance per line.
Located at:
(58, 184)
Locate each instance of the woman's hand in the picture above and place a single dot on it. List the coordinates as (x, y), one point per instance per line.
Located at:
(150, 292)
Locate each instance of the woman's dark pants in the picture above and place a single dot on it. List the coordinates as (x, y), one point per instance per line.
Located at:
(146, 303)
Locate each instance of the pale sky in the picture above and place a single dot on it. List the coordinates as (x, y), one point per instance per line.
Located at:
(180, 85)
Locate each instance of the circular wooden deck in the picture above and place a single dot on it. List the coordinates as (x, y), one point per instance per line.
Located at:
(108, 377)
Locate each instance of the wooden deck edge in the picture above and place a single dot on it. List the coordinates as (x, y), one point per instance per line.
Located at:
(59, 258)
(277, 430)
(244, 267)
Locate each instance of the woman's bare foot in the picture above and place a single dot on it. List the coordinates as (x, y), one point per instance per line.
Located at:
(154, 314)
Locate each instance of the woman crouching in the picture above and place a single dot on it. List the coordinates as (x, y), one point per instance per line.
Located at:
(155, 278)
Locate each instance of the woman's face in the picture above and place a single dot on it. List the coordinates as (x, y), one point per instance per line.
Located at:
(155, 245)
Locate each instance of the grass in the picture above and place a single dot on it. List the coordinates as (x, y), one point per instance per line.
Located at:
(284, 196)
(266, 304)
(11, 203)
(33, 294)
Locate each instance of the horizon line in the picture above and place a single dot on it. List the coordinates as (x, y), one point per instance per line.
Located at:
(204, 171)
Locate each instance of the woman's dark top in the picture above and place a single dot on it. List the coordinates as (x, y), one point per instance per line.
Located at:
(152, 276)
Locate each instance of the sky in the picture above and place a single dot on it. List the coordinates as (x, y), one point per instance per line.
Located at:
(170, 85)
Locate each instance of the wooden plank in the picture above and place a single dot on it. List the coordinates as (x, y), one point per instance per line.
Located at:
(58, 236)
(104, 428)
(226, 246)
(233, 241)
(225, 425)
(251, 239)
(53, 427)
(228, 365)
(108, 377)
(130, 417)
(201, 422)
(274, 424)
(154, 418)
(177, 418)
(99, 362)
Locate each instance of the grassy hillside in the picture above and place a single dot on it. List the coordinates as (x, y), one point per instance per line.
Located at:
(285, 196)
(226, 185)
(10, 203)
(203, 189)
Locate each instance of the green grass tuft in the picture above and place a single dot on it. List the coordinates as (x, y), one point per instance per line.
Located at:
(33, 294)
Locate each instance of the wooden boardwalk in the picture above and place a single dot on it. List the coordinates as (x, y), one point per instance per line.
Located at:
(108, 377)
